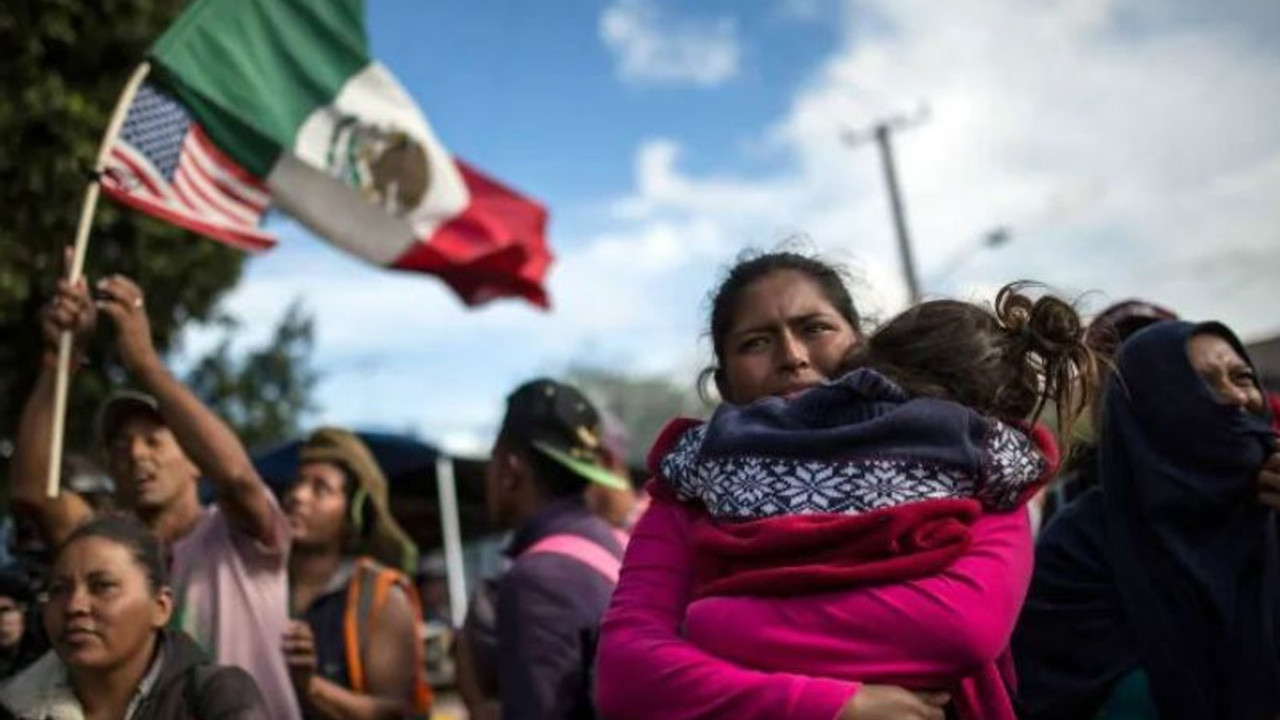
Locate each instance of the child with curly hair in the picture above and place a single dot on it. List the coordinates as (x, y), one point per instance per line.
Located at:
(875, 478)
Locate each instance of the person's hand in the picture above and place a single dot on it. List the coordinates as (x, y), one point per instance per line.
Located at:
(121, 299)
(69, 310)
(299, 646)
(1269, 479)
(887, 702)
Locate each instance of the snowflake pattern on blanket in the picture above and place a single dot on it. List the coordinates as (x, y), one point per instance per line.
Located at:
(753, 487)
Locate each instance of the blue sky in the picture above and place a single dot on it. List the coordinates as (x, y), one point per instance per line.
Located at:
(507, 81)
(1129, 146)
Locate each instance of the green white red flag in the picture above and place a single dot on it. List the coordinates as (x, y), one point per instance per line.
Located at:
(285, 108)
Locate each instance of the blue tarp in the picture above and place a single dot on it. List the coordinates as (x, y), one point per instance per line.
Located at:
(404, 460)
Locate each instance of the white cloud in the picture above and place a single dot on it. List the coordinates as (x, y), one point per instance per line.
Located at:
(1134, 158)
(651, 47)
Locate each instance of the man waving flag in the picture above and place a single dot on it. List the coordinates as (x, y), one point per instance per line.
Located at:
(277, 103)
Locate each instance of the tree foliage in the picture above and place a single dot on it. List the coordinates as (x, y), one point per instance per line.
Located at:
(265, 393)
(62, 66)
(642, 404)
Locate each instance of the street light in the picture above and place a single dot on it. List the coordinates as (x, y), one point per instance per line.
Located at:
(990, 240)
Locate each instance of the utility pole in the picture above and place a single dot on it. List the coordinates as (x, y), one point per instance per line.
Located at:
(882, 133)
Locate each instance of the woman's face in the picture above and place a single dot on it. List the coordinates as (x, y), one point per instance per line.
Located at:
(1226, 374)
(101, 610)
(317, 505)
(786, 336)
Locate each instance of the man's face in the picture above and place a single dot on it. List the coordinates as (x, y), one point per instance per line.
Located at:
(147, 463)
(12, 622)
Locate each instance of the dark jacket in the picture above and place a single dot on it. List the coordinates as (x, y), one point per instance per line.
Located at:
(549, 612)
(31, 646)
(186, 687)
(1170, 565)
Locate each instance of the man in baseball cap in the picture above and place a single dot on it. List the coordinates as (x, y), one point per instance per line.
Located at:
(565, 559)
(159, 442)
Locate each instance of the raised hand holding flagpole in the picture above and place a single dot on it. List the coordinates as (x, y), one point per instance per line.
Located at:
(75, 269)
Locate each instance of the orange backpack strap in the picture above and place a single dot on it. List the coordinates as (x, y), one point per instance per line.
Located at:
(367, 594)
(356, 619)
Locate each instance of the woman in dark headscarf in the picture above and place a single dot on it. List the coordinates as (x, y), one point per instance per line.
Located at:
(1108, 331)
(1157, 594)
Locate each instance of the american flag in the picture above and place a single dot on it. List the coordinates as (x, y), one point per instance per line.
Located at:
(165, 165)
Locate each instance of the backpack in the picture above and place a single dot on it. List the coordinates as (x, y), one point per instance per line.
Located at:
(366, 595)
(604, 562)
(587, 552)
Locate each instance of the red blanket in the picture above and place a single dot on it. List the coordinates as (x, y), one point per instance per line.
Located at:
(807, 554)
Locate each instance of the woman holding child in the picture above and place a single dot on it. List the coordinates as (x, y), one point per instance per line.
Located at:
(845, 537)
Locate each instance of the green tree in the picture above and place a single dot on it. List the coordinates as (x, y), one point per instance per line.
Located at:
(266, 393)
(642, 403)
(62, 65)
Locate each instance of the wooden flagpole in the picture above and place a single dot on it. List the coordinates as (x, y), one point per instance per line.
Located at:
(63, 377)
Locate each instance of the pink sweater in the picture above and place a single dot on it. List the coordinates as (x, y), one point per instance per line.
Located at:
(662, 657)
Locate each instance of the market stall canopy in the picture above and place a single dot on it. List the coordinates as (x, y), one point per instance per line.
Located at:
(410, 467)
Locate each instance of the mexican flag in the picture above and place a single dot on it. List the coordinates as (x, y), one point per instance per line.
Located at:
(287, 90)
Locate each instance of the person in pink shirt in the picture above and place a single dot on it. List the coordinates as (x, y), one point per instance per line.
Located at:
(229, 561)
(921, 647)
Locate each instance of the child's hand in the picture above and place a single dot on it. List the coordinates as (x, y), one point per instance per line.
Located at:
(888, 702)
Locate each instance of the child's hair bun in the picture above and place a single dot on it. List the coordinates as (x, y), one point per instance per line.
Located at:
(1049, 337)
(1047, 326)
(1010, 364)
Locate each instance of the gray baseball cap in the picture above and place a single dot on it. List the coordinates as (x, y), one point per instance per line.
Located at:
(120, 405)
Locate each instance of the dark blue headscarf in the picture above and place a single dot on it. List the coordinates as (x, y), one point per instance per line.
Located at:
(1171, 565)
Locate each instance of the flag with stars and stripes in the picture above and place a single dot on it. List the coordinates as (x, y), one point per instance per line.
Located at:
(308, 121)
(164, 164)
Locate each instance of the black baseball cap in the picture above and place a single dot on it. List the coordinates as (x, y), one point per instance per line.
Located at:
(558, 421)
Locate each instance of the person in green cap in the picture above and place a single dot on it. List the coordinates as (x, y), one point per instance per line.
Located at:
(539, 645)
(353, 651)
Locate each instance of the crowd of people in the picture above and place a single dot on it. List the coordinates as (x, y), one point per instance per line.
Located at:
(971, 512)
